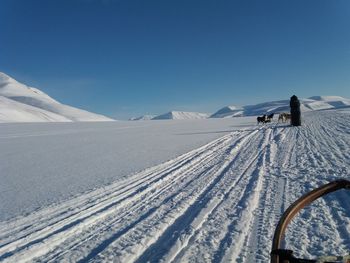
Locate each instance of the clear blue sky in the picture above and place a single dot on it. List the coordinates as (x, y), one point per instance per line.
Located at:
(125, 58)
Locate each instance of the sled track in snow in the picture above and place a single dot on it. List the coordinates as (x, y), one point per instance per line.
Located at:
(123, 207)
(320, 229)
(218, 203)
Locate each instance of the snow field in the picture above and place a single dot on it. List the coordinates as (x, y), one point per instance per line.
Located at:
(217, 203)
(46, 163)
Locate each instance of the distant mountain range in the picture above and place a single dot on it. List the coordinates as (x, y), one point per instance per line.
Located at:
(310, 104)
(143, 118)
(173, 115)
(181, 115)
(20, 103)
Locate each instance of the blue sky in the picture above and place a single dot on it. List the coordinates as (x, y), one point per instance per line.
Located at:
(126, 58)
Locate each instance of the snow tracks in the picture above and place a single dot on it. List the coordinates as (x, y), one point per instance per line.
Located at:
(218, 203)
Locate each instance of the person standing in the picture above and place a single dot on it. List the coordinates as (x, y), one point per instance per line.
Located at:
(295, 113)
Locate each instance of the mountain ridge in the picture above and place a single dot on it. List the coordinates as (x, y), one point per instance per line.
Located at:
(306, 104)
(181, 115)
(21, 103)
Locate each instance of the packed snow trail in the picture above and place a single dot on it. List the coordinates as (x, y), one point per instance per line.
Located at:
(218, 203)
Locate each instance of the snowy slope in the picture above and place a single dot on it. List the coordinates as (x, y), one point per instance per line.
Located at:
(40, 104)
(13, 111)
(216, 203)
(181, 115)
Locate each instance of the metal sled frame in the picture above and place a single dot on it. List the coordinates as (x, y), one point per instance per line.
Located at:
(286, 256)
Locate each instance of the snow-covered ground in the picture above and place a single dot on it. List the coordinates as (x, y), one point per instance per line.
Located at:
(43, 163)
(217, 203)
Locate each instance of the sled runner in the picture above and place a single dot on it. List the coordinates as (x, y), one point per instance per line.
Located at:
(279, 255)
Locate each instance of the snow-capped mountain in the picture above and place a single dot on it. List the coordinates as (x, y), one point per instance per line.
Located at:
(20, 103)
(142, 118)
(310, 104)
(228, 112)
(181, 115)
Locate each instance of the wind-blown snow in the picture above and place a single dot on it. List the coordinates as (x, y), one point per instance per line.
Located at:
(216, 203)
(42, 108)
(181, 115)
